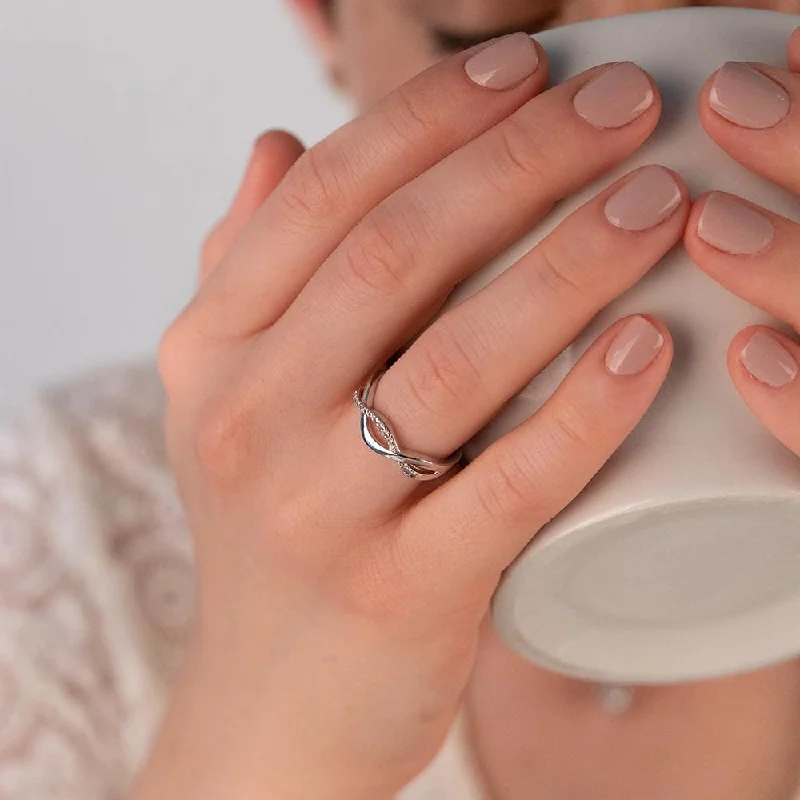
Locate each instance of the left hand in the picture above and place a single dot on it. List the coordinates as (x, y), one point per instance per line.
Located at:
(752, 111)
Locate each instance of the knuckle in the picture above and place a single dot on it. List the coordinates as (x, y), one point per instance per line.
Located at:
(557, 270)
(445, 372)
(572, 427)
(411, 117)
(518, 154)
(313, 189)
(510, 486)
(380, 256)
(225, 440)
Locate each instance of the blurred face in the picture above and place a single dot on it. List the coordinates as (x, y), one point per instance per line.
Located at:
(375, 45)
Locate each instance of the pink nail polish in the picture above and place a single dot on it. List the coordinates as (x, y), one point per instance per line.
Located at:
(647, 199)
(505, 63)
(768, 361)
(615, 97)
(732, 226)
(635, 347)
(747, 97)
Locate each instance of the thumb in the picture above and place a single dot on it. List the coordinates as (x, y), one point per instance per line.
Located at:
(272, 156)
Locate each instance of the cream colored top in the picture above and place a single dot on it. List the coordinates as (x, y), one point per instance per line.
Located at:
(96, 593)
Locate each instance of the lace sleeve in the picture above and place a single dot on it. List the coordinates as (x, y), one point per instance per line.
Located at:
(59, 732)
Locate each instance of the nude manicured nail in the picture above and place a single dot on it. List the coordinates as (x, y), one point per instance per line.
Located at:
(747, 97)
(647, 199)
(635, 347)
(729, 225)
(768, 361)
(616, 97)
(505, 63)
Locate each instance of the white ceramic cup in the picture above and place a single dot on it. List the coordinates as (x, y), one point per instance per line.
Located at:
(681, 560)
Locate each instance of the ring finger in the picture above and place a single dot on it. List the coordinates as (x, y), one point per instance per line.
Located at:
(470, 361)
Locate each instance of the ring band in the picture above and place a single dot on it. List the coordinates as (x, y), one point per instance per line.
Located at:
(414, 465)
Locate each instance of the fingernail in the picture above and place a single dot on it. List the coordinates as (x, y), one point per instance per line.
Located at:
(648, 198)
(635, 347)
(729, 225)
(505, 63)
(747, 97)
(768, 361)
(616, 97)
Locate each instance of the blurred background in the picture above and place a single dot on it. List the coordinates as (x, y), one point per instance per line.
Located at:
(125, 129)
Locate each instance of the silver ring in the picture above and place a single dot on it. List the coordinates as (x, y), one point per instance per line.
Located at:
(414, 465)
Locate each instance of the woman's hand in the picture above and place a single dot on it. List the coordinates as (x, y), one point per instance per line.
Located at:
(340, 602)
(272, 156)
(753, 113)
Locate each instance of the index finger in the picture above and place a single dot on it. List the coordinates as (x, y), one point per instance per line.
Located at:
(340, 180)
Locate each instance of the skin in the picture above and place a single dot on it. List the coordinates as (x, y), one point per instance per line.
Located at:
(307, 283)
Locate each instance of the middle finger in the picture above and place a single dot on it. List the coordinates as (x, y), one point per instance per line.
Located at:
(400, 263)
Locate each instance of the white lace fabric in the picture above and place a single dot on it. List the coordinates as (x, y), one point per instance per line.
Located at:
(96, 587)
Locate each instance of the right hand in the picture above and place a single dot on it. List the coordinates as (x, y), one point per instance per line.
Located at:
(340, 602)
